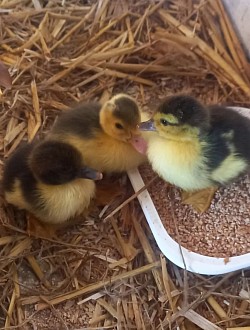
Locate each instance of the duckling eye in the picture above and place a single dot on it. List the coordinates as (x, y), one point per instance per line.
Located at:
(119, 126)
(164, 122)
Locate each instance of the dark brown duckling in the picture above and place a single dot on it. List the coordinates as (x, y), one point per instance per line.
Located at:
(50, 180)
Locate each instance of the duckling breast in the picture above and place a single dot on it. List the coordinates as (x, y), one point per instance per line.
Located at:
(180, 163)
(114, 156)
(106, 154)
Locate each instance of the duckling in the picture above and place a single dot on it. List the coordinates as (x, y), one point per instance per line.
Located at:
(107, 135)
(49, 180)
(198, 147)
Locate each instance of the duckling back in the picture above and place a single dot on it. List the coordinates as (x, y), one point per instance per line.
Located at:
(81, 121)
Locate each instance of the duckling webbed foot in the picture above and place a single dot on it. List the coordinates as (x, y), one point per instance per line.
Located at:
(200, 200)
(39, 229)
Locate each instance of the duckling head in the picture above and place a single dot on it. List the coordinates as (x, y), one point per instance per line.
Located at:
(56, 163)
(119, 117)
(178, 117)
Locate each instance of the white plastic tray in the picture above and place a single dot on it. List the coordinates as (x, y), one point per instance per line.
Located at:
(180, 256)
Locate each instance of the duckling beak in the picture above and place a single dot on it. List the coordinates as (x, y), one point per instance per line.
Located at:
(147, 125)
(89, 173)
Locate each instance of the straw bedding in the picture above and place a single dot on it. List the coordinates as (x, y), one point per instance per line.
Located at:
(110, 274)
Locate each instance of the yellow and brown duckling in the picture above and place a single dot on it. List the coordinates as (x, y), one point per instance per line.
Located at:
(49, 180)
(107, 135)
(198, 147)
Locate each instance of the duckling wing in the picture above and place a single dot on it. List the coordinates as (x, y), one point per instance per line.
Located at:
(19, 184)
(16, 167)
(233, 127)
(228, 142)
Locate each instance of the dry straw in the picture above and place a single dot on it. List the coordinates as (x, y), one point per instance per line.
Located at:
(62, 52)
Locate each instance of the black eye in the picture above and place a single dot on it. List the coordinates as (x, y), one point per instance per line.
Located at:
(119, 126)
(164, 122)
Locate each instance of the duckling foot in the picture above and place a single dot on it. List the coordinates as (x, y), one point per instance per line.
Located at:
(200, 200)
(38, 229)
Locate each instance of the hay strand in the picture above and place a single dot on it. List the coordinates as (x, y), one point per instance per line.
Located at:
(97, 286)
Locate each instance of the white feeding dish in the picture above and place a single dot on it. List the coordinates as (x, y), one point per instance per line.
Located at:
(194, 262)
